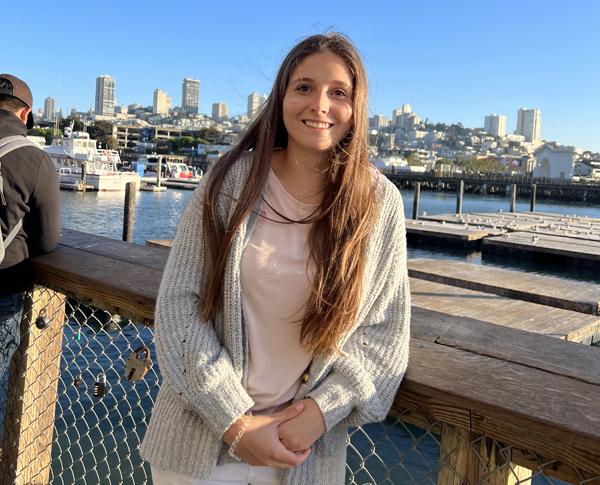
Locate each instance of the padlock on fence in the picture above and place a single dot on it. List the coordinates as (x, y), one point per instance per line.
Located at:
(42, 321)
(138, 364)
(100, 385)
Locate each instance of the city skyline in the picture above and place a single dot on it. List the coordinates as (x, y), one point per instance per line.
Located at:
(454, 62)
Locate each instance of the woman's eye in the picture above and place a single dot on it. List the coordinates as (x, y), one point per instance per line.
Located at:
(340, 93)
(303, 88)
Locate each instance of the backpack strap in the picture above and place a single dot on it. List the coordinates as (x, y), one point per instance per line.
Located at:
(7, 145)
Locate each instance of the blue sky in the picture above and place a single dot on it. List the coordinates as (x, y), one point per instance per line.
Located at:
(452, 60)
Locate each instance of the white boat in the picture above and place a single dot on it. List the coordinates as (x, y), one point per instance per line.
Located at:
(76, 150)
(172, 168)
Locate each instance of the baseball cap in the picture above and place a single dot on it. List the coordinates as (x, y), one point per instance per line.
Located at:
(15, 87)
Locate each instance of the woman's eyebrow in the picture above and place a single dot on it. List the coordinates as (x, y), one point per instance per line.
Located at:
(308, 79)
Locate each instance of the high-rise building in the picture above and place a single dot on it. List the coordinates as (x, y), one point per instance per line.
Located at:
(219, 111)
(190, 95)
(162, 103)
(379, 121)
(105, 95)
(401, 115)
(529, 123)
(495, 125)
(255, 102)
(49, 108)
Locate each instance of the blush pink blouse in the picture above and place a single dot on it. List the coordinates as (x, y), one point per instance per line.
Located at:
(276, 282)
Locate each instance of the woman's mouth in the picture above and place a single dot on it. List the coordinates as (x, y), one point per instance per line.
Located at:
(317, 124)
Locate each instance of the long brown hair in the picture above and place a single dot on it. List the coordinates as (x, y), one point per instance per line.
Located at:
(338, 238)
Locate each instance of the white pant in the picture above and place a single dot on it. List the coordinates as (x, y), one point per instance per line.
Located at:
(226, 474)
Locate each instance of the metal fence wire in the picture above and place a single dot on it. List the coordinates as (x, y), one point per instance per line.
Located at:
(96, 435)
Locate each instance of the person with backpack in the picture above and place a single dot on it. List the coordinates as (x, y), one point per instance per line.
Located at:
(29, 208)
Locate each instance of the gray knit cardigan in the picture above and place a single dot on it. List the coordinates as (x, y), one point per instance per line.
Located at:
(204, 365)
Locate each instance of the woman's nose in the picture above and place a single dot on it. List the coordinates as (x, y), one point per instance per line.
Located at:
(321, 102)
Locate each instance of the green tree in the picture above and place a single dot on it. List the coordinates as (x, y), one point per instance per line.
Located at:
(109, 142)
(414, 160)
(47, 133)
(77, 124)
(486, 165)
(100, 129)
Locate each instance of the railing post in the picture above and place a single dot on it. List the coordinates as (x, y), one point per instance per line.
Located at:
(533, 195)
(129, 214)
(454, 455)
(415, 213)
(459, 196)
(513, 197)
(466, 458)
(32, 392)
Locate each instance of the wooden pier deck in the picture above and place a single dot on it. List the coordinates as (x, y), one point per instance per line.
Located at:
(439, 231)
(536, 395)
(518, 314)
(568, 249)
(498, 222)
(578, 296)
(571, 239)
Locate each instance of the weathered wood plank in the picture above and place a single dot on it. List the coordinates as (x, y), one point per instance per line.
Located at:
(572, 295)
(120, 287)
(32, 393)
(553, 415)
(150, 257)
(576, 250)
(458, 232)
(160, 243)
(569, 359)
(499, 310)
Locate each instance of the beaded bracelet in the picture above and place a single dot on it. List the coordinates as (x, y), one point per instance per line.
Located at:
(238, 437)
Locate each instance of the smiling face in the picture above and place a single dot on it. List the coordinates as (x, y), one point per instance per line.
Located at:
(317, 105)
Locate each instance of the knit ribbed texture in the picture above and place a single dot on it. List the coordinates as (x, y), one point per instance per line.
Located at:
(203, 364)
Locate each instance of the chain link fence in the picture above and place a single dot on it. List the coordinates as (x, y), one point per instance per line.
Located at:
(95, 418)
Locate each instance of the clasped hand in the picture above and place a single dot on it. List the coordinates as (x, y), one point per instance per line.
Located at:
(282, 439)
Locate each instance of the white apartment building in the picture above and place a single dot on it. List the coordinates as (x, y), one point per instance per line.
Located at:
(379, 121)
(495, 125)
(190, 95)
(255, 102)
(105, 95)
(529, 124)
(49, 111)
(162, 103)
(397, 113)
(219, 111)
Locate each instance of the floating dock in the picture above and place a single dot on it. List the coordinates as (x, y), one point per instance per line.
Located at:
(499, 310)
(458, 234)
(578, 296)
(566, 239)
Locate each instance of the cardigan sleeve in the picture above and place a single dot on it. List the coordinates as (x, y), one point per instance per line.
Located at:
(363, 381)
(191, 358)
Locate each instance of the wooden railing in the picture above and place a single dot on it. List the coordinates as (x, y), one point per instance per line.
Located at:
(536, 395)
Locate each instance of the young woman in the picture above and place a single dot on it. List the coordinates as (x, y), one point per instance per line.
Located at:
(283, 313)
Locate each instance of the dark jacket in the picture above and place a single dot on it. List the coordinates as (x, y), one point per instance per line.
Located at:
(31, 191)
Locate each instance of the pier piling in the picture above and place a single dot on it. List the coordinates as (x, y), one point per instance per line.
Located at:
(459, 196)
(129, 215)
(533, 194)
(415, 213)
(83, 176)
(513, 197)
